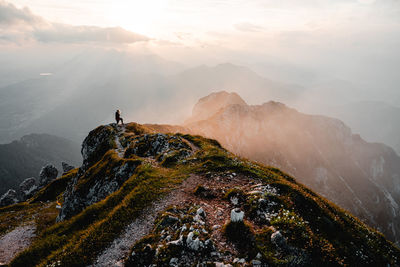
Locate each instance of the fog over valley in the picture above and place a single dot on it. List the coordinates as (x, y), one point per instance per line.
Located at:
(302, 98)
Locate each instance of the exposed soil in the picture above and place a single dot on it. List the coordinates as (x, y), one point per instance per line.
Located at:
(217, 212)
(15, 241)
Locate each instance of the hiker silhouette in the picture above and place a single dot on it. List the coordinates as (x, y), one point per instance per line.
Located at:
(118, 117)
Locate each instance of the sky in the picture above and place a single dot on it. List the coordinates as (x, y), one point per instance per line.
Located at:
(352, 40)
(170, 19)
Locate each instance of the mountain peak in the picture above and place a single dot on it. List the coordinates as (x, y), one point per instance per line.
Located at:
(211, 104)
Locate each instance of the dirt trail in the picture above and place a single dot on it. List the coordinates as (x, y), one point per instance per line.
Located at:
(217, 212)
(114, 254)
(15, 241)
(120, 150)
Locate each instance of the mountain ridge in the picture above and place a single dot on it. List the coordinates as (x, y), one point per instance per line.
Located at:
(320, 151)
(228, 210)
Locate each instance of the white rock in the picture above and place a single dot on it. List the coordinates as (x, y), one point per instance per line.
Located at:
(195, 244)
(237, 215)
(256, 262)
(177, 242)
(234, 200)
(173, 262)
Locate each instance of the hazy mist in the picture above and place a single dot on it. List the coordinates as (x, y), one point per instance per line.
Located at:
(65, 67)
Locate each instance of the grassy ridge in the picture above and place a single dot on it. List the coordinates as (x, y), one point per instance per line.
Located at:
(326, 232)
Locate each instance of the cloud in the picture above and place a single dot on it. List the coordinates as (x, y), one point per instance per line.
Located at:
(248, 27)
(10, 15)
(21, 26)
(81, 34)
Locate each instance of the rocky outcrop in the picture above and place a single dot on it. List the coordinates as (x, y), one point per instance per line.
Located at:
(9, 198)
(159, 146)
(162, 147)
(321, 152)
(66, 167)
(95, 145)
(98, 142)
(27, 188)
(47, 174)
(76, 200)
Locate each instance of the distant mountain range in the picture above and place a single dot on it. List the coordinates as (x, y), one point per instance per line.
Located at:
(375, 121)
(85, 90)
(24, 158)
(320, 151)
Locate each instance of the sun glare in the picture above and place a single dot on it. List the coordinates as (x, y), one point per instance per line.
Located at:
(137, 16)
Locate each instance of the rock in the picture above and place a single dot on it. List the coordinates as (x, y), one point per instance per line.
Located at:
(142, 257)
(66, 167)
(279, 240)
(168, 220)
(256, 262)
(27, 188)
(173, 262)
(237, 215)
(96, 144)
(234, 200)
(9, 198)
(158, 146)
(201, 212)
(47, 174)
(237, 260)
(75, 200)
(195, 244)
(177, 242)
(205, 192)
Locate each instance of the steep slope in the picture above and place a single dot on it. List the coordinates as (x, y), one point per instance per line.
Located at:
(142, 197)
(320, 151)
(25, 158)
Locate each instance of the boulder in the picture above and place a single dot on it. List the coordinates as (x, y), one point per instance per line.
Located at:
(27, 188)
(9, 198)
(96, 144)
(66, 167)
(279, 240)
(47, 174)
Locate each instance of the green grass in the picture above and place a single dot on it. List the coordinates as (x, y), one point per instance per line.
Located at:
(54, 189)
(309, 222)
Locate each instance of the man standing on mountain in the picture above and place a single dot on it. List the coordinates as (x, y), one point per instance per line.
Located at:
(118, 117)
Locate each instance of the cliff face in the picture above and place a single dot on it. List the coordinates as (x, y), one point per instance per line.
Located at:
(146, 198)
(319, 151)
